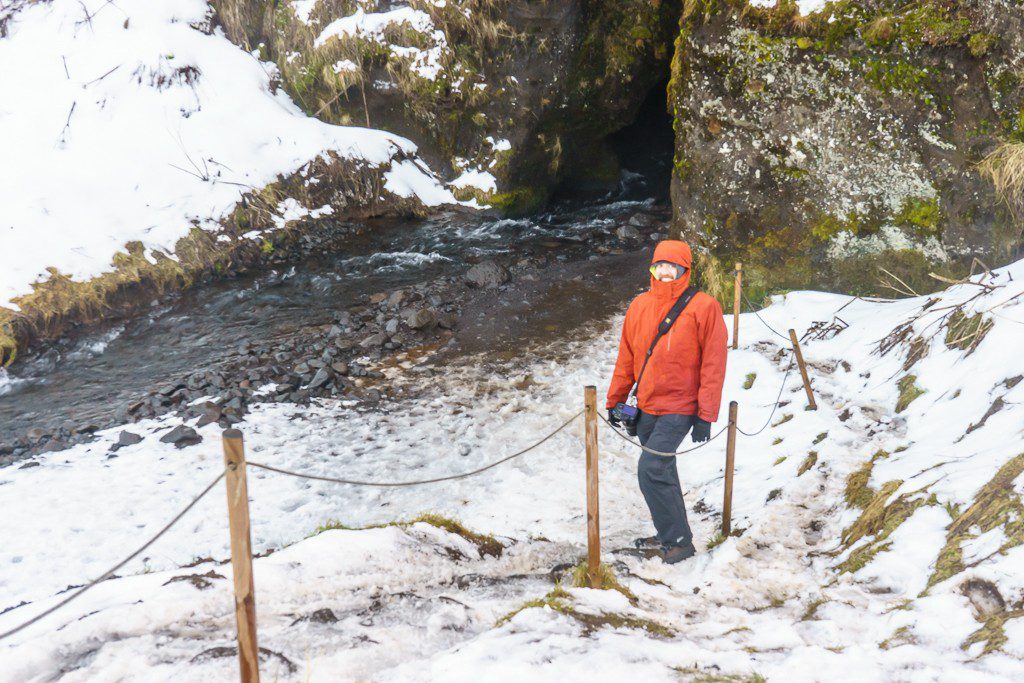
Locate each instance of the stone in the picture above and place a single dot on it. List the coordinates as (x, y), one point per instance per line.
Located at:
(340, 367)
(344, 343)
(397, 298)
(322, 377)
(37, 434)
(627, 232)
(378, 298)
(374, 341)
(126, 438)
(181, 436)
(392, 326)
(640, 220)
(419, 319)
(486, 274)
(447, 321)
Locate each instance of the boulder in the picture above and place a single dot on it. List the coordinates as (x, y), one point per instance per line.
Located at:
(486, 274)
(181, 436)
(421, 318)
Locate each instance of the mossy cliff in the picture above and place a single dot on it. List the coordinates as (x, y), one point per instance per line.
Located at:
(526, 91)
(816, 149)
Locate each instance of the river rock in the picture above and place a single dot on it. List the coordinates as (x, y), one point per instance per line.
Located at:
(627, 232)
(374, 341)
(419, 319)
(397, 298)
(486, 274)
(181, 436)
(322, 377)
(640, 220)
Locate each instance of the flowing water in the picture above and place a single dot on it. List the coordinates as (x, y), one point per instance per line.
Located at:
(84, 381)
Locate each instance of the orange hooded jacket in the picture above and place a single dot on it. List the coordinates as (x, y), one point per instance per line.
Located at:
(687, 369)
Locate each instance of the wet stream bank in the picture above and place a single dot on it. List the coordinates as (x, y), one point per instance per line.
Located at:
(318, 327)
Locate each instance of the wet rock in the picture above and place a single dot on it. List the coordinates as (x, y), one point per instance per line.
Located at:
(419, 319)
(181, 436)
(640, 220)
(486, 274)
(322, 377)
(397, 298)
(374, 341)
(37, 434)
(30, 463)
(627, 232)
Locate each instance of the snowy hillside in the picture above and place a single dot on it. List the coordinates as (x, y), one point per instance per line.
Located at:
(879, 537)
(135, 120)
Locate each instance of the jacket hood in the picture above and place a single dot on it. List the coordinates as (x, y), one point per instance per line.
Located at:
(677, 252)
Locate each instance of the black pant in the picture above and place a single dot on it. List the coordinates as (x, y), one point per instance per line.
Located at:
(659, 480)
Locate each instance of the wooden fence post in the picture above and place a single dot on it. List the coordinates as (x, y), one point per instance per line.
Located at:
(730, 459)
(241, 555)
(737, 290)
(811, 404)
(593, 516)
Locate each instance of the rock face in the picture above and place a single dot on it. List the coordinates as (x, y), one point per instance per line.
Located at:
(814, 149)
(524, 91)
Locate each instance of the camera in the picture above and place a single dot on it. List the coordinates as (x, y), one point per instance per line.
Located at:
(628, 416)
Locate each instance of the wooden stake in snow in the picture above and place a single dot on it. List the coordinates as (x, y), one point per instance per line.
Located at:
(811, 404)
(737, 290)
(241, 555)
(730, 458)
(593, 518)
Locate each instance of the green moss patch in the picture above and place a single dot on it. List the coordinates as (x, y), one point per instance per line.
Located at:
(486, 545)
(609, 581)
(808, 463)
(909, 392)
(965, 332)
(995, 505)
(561, 601)
(880, 518)
(749, 380)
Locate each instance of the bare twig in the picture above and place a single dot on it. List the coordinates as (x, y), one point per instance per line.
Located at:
(96, 80)
(67, 124)
(64, 59)
(963, 281)
(908, 287)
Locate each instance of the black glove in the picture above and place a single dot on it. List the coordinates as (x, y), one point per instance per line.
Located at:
(613, 420)
(701, 430)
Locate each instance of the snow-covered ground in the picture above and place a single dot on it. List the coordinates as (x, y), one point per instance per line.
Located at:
(814, 588)
(126, 121)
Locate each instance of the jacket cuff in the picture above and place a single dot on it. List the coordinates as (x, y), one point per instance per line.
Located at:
(706, 416)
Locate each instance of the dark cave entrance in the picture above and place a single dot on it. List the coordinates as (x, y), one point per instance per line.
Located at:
(633, 163)
(645, 148)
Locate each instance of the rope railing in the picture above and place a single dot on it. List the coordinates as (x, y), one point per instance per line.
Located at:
(651, 450)
(110, 572)
(451, 477)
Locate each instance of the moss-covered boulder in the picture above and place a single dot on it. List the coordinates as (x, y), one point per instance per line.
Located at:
(817, 149)
(523, 91)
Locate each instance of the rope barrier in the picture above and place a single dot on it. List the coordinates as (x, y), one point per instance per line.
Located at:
(755, 312)
(356, 482)
(110, 572)
(661, 453)
(792, 362)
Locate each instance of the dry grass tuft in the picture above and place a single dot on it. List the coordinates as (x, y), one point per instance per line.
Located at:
(1005, 167)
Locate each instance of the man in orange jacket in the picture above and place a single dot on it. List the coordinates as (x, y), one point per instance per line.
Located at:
(680, 391)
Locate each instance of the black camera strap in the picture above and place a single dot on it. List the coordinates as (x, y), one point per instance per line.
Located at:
(663, 327)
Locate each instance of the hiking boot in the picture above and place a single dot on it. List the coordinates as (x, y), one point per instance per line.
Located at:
(679, 553)
(648, 542)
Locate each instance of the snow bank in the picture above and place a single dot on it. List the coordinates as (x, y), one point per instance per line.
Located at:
(126, 121)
